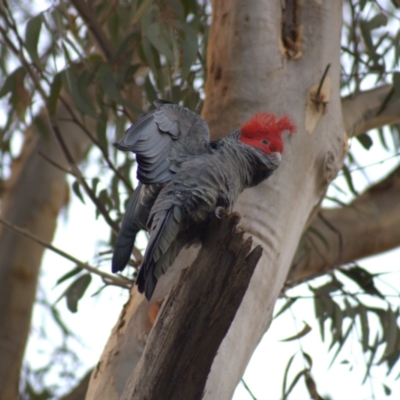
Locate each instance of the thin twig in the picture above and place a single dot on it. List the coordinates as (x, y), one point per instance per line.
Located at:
(136, 252)
(78, 174)
(97, 143)
(86, 12)
(321, 82)
(54, 163)
(107, 278)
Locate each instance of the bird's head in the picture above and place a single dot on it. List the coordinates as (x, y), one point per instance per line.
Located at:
(264, 131)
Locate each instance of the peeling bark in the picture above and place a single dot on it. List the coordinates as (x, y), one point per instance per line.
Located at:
(195, 318)
(291, 30)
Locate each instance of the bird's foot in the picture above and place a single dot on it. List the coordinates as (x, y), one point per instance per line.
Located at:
(221, 212)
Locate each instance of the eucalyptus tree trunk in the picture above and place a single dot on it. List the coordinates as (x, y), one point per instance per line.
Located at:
(260, 58)
(32, 199)
(265, 58)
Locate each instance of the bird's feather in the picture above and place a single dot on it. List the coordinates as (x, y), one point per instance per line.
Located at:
(164, 232)
(162, 139)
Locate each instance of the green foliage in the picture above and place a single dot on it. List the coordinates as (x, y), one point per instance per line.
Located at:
(370, 58)
(76, 290)
(305, 374)
(32, 34)
(146, 50)
(370, 45)
(60, 371)
(345, 313)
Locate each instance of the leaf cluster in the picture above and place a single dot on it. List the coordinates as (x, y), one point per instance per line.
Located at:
(110, 63)
(349, 307)
(370, 57)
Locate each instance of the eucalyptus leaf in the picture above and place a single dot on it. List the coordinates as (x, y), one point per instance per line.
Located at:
(68, 275)
(349, 179)
(32, 35)
(54, 93)
(76, 291)
(306, 329)
(365, 141)
(10, 82)
(77, 190)
(150, 90)
(78, 91)
(295, 381)
(141, 10)
(190, 49)
(285, 376)
(377, 21)
(364, 328)
(286, 306)
(156, 37)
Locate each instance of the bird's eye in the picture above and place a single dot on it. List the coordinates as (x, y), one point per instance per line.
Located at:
(266, 142)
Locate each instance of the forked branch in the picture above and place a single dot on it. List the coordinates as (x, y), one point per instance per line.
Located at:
(363, 111)
(374, 217)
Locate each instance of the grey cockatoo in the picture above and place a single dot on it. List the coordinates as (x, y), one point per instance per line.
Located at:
(184, 179)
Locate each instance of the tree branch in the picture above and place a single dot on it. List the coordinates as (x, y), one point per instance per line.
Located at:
(174, 363)
(75, 171)
(87, 13)
(374, 217)
(107, 278)
(361, 111)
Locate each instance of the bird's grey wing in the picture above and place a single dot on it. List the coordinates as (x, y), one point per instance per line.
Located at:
(162, 139)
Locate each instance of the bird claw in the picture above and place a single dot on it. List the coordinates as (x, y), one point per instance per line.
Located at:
(221, 212)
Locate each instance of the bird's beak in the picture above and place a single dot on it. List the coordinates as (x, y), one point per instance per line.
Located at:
(278, 156)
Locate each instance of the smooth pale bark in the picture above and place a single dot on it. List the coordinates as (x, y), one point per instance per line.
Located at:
(33, 197)
(362, 111)
(275, 212)
(247, 73)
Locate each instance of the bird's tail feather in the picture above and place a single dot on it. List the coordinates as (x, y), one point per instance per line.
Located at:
(161, 251)
(127, 235)
(123, 247)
